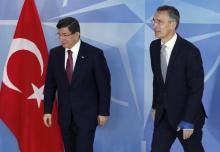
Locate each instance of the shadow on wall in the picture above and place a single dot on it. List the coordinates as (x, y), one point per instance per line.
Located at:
(213, 117)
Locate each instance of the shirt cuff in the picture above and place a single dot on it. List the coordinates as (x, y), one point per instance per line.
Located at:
(185, 125)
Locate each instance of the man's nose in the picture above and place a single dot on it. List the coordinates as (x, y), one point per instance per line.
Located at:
(61, 38)
(155, 24)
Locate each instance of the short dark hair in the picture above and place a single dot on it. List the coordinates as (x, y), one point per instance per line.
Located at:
(71, 23)
(172, 11)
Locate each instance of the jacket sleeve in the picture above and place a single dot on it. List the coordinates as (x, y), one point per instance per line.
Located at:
(103, 81)
(195, 84)
(50, 86)
(155, 82)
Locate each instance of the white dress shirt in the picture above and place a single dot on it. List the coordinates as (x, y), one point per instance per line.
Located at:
(75, 51)
(169, 47)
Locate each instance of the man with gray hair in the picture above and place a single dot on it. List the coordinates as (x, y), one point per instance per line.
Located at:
(178, 83)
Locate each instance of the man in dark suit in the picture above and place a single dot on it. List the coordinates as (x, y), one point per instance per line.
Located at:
(178, 82)
(78, 72)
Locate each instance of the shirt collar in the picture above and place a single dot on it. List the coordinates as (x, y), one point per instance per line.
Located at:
(170, 44)
(75, 48)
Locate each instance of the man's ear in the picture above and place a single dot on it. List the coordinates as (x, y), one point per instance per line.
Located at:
(173, 25)
(78, 34)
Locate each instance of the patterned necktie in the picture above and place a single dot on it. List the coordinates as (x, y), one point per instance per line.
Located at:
(163, 62)
(69, 66)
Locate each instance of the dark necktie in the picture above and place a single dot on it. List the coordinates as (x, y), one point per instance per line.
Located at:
(69, 66)
(163, 62)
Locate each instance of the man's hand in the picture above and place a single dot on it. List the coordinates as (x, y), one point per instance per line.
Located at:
(102, 120)
(153, 114)
(187, 133)
(47, 119)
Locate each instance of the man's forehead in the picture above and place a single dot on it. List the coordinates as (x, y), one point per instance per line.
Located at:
(63, 30)
(161, 14)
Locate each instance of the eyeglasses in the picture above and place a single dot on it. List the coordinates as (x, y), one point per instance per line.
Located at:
(160, 22)
(64, 35)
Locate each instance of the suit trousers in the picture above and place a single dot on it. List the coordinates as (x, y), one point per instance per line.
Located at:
(78, 139)
(164, 136)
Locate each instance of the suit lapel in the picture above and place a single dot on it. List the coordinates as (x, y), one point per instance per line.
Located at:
(173, 58)
(62, 65)
(79, 63)
(158, 65)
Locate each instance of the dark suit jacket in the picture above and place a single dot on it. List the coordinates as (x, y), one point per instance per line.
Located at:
(89, 92)
(181, 94)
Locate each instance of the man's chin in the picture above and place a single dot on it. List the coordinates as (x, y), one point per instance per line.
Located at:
(65, 46)
(157, 36)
